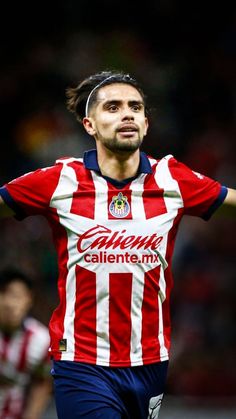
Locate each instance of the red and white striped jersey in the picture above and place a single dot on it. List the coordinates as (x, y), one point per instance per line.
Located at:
(21, 353)
(115, 244)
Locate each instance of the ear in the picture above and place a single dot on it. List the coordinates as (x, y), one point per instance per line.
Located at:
(146, 126)
(88, 125)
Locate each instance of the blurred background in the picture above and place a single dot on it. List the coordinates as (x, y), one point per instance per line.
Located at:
(184, 54)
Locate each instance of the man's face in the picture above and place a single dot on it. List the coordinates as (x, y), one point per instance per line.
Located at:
(117, 118)
(15, 302)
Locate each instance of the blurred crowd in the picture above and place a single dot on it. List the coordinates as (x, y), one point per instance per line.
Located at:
(187, 66)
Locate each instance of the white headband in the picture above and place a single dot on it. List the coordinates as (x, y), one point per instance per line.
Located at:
(92, 91)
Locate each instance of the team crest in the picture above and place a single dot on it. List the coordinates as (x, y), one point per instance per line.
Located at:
(119, 206)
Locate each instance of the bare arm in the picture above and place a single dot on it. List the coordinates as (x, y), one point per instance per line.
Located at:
(5, 211)
(230, 198)
(229, 205)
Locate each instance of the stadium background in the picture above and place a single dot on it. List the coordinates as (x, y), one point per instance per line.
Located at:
(184, 54)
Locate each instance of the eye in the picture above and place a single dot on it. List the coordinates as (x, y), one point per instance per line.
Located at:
(112, 108)
(137, 107)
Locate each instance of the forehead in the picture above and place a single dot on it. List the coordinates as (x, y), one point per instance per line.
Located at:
(16, 287)
(118, 92)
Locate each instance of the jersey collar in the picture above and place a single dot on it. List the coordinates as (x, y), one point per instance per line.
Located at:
(91, 162)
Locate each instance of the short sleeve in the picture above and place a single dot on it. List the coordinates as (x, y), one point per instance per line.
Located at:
(31, 193)
(201, 195)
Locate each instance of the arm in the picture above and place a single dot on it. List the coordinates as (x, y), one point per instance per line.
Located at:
(5, 211)
(38, 397)
(29, 194)
(229, 205)
(230, 199)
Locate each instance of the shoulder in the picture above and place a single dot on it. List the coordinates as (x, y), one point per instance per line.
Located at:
(38, 343)
(165, 163)
(50, 175)
(69, 161)
(165, 159)
(36, 328)
(52, 169)
(171, 162)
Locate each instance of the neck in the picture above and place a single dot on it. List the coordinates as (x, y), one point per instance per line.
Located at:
(118, 166)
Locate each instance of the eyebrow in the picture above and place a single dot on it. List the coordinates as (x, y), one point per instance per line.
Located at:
(117, 102)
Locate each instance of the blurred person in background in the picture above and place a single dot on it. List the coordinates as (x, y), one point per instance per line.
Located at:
(25, 381)
(114, 215)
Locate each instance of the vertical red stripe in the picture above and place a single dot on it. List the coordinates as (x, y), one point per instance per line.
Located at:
(83, 202)
(6, 408)
(150, 315)
(120, 317)
(153, 200)
(22, 356)
(12, 404)
(169, 279)
(85, 315)
(56, 324)
(4, 347)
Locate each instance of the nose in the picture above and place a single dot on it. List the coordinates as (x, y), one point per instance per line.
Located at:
(127, 114)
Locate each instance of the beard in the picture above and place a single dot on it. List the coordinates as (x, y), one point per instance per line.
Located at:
(125, 145)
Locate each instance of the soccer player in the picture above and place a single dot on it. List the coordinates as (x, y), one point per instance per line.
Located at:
(25, 385)
(114, 215)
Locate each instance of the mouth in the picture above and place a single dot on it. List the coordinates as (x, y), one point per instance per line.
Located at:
(128, 129)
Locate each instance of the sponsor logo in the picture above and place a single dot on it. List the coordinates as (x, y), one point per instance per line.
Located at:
(101, 237)
(119, 206)
(104, 257)
(97, 245)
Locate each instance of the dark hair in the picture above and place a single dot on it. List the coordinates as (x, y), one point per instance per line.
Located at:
(77, 96)
(9, 275)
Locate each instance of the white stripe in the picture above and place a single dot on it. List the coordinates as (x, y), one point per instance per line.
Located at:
(101, 197)
(67, 185)
(14, 349)
(136, 318)
(173, 201)
(152, 161)
(69, 160)
(172, 194)
(38, 342)
(70, 315)
(137, 197)
(102, 290)
(163, 349)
